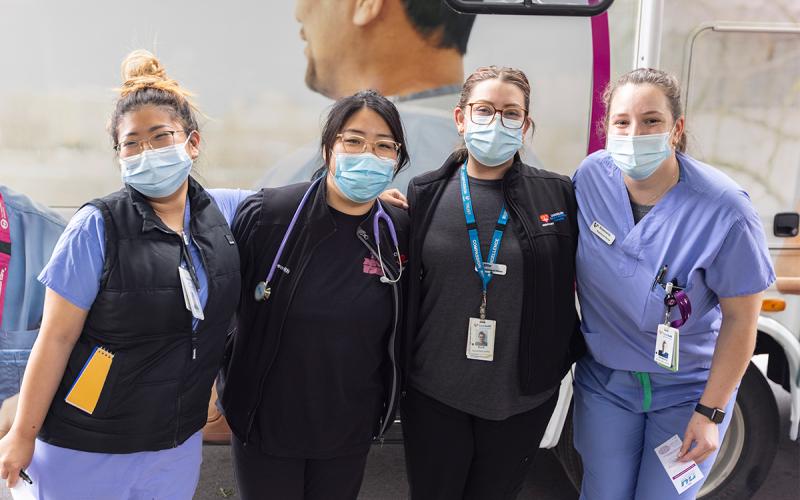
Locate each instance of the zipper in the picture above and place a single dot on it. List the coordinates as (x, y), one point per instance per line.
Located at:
(385, 421)
(263, 379)
(195, 338)
(180, 386)
(517, 213)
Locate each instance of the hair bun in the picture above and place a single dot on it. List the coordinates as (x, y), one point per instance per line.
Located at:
(142, 64)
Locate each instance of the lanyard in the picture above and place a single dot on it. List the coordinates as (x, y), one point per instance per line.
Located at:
(475, 242)
(5, 253)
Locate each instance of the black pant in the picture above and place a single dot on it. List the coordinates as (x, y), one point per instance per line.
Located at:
(452, 455)
(261, 476)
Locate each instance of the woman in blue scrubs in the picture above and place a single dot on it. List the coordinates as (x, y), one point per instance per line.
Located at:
(671, 266)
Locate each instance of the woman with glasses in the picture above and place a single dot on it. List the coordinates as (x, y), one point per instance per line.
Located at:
(313, 377)
(492, 326)
(141, 288)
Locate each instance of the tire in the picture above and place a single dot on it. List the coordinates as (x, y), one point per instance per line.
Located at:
(750, 444)
(746, 454)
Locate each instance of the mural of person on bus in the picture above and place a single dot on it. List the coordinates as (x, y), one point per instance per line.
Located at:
(314, 374)
(28, 233)
(412, 50)
(141, 288)
(492, 247)
(672, 257)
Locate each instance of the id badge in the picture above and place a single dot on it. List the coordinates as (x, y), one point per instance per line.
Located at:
(480, 339)
(667, 347)
(190, 296)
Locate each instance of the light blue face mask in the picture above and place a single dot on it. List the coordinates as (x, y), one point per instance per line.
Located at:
(157, 173)
(362, 177)
(638, 156)
(492, 144)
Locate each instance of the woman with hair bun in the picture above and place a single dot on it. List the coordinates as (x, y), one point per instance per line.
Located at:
(141, 288)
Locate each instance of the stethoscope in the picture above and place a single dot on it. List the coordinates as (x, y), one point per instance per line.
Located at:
(263, 290)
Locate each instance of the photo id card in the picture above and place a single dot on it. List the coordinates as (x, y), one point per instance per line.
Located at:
(667, 347)
(480, 339)
(683, 475)
(190, 296)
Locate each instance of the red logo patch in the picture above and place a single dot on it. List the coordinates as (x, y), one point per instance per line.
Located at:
(545, 218)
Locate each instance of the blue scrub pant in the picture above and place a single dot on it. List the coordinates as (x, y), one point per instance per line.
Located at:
(616, 437)
(66, 474)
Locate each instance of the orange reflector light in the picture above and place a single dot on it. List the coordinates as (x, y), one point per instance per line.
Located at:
(773, 305)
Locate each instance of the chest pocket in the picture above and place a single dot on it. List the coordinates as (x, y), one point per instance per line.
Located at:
(701, 300)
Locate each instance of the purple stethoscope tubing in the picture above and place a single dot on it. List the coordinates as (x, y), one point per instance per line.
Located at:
(381, 214)
(262, 290)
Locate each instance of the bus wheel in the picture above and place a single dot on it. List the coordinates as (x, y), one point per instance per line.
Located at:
(750, 444)
(746, 453)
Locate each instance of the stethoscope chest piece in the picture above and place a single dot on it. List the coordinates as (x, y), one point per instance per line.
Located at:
(262, 291)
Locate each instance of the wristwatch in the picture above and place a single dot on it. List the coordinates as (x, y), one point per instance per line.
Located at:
(714, 414)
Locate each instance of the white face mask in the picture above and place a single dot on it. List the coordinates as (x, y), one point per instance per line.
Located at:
(638, 156)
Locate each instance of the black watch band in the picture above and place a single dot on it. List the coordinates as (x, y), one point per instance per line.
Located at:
(714, 414)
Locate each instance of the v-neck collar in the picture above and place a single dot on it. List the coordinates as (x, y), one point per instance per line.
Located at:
(632, 241)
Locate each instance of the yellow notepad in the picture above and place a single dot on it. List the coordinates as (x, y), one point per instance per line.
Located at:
(86, 390)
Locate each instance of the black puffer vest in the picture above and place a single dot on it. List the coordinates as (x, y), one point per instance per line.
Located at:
(156, 393)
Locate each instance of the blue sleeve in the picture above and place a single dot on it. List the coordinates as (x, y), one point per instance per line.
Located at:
(228, 201)
(76, 266)
(742, 265)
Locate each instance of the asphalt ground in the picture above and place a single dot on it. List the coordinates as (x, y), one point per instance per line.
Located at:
(385, 477)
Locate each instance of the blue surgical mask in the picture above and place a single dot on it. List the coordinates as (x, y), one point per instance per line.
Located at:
(638, 156)
(492, 144)
(157, 173)
(362, 177)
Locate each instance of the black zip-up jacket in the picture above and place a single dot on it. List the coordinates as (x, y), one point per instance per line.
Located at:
(156, 393)
(550, 339)
(253, 348)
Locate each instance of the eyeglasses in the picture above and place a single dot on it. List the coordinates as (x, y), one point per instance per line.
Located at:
(161, 139)
(483, 113)
(384, 148)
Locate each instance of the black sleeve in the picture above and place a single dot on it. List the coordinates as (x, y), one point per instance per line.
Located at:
(244, 227)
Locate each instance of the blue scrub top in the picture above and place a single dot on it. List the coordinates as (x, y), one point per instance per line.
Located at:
(705, 229)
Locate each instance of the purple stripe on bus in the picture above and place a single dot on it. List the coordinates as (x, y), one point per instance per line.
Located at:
(601, 71)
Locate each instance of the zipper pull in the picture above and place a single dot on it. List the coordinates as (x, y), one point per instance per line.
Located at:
(185, 238)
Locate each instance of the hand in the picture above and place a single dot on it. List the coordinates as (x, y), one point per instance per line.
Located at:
(394, 197)
(16, 453)
(7, 411)
(704, 434)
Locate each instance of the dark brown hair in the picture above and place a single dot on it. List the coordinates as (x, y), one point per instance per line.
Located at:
(346, 107)
(145, 83)
(665, 82)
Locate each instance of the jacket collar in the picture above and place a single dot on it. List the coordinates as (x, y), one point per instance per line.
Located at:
(456, 159)
(198, 200)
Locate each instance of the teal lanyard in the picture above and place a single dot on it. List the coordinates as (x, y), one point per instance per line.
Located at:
(475, 242)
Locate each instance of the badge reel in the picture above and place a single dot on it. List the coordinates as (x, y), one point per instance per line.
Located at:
(667, 348)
